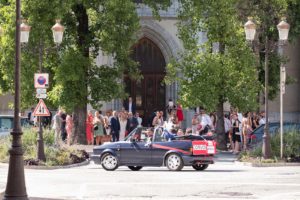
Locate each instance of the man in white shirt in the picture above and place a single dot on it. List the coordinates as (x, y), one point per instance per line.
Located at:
(205, 122)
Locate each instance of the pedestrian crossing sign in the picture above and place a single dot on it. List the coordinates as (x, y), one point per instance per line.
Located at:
(41, 109)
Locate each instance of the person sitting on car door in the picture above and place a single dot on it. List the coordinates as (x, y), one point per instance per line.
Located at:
(206, 122)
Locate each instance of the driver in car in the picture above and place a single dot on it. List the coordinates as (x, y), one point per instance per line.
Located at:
(150, 132)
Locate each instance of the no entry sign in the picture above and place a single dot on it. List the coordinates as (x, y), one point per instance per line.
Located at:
(41, 80)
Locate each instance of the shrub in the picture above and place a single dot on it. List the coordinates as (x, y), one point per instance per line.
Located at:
(62, 155)
(291, 147)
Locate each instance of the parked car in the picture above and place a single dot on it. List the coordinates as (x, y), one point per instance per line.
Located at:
(142, 148)
(274, 127)
(6, 124)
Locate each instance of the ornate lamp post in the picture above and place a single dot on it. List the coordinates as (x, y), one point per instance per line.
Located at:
(250, 30)
(58, 31)
(15, 188)
(283, 31)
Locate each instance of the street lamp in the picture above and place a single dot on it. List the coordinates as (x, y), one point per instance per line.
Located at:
(250, 29)
(15, 188)
(25, 30)
(283, 31)
(58, 31)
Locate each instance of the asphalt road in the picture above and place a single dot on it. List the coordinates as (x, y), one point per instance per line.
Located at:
(223, 180)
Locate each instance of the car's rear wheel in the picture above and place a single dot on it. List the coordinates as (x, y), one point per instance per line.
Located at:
(135, 168)
(109, 162)
(199, 167)
(174, 162)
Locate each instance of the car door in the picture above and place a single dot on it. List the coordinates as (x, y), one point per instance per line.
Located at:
(136, 151)
(158, 150)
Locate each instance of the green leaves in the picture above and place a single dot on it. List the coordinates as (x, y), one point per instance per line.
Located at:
(215, 75)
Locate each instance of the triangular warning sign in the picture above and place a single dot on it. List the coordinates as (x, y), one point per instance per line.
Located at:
(41, 109)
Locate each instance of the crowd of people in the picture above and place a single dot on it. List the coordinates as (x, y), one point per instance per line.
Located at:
(116, 125)
(238, 126)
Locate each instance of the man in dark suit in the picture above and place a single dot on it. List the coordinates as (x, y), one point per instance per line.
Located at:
(130, 105)
(132, 122)
(115, 127)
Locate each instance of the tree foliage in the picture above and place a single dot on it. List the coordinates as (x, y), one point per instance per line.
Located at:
(75, 80)
(212, 76)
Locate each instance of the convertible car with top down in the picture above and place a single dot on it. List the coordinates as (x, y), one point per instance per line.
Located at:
(156, 147)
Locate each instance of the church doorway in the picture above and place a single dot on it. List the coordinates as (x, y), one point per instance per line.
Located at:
(149, 93)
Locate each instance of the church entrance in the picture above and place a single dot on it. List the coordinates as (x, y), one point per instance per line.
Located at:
(149, 93)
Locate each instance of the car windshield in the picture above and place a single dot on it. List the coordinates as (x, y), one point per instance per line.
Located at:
(141, 134)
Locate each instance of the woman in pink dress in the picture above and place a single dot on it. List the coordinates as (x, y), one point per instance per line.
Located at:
(89, 128)
(69, 128)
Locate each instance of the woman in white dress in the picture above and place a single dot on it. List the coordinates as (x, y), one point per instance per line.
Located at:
(123, 125)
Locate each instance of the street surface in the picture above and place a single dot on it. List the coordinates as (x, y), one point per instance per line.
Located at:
(223, 180)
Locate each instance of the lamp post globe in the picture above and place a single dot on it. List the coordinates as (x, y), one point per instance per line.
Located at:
(250, 29)
(58, 32)
(25, 30)
(283, 29)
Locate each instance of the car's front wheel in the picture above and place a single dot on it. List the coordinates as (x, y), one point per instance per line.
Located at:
(200, 167)
(174, 162)
(109, 162)
(135, 168)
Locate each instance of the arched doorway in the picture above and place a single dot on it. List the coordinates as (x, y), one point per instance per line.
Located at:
(148, 93)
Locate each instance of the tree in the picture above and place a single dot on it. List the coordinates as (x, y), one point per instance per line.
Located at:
(90, 26)
(210, 77)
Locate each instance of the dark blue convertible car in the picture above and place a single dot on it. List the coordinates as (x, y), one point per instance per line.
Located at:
(148, 147)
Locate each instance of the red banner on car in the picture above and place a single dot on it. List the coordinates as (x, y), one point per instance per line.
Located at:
(204, 147)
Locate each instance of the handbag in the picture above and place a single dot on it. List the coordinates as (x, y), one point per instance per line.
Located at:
(95, 127)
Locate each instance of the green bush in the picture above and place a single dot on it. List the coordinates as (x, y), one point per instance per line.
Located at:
(291, 147)
(55, 155)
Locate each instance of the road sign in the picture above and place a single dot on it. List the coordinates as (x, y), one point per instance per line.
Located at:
(41, 91)
(41, 80)
(41, 96)
(41, 109)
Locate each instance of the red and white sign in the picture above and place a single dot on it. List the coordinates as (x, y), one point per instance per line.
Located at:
(41, 109)
(204, 147)
(41, 80)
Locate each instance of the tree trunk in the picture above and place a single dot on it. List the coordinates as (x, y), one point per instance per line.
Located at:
(220, 128)
(80, 110)
(79, 118)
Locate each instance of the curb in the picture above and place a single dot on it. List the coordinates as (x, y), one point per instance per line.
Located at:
(280, 164)
(86, 162)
